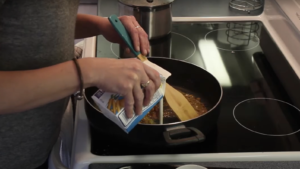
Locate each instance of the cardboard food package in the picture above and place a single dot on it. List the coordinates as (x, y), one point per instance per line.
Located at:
(112, 104)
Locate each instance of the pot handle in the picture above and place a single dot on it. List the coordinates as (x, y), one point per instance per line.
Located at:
(183, 136)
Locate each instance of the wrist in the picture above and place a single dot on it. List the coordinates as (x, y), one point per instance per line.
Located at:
(88, 77)
(103, 25)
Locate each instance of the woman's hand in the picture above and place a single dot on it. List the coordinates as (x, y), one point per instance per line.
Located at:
(91, 25)
(137, 33)
(125, 77)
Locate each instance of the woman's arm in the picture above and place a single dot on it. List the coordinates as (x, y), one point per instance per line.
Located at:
(91, 25)
(24, 90)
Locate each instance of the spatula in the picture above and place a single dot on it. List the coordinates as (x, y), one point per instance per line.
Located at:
(180, 105)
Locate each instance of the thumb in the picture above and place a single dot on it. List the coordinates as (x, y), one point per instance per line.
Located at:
(127, 51)
(123, 45)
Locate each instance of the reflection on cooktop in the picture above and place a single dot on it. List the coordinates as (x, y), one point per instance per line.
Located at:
(235, 37)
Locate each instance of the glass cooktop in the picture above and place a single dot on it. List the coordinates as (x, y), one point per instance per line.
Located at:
(260, 104)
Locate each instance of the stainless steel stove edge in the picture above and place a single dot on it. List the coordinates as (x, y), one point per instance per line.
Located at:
(275, 22)
(82, 157)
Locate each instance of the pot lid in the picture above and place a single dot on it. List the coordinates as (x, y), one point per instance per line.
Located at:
(146, 3)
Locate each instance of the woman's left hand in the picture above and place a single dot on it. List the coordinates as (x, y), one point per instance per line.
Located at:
(137, 33)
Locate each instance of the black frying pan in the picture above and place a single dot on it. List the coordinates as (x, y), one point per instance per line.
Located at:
(186, 77)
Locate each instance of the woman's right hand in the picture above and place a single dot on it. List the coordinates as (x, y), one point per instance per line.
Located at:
(125, 76)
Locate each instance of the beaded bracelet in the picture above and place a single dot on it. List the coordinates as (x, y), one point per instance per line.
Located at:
(79, 95)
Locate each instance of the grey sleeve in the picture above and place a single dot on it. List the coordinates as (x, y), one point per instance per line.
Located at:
(2, 2)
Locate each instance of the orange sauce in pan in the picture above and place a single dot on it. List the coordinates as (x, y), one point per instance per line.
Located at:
(153, 116)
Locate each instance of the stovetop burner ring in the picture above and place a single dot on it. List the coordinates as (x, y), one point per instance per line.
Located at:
(111, 46)
(231, 50)
(190, 41)
(261, 133)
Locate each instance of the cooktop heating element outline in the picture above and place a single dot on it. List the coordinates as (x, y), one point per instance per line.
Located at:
(261, 99)
(111, 46)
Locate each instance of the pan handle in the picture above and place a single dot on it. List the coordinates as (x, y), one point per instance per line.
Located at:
(183, 136)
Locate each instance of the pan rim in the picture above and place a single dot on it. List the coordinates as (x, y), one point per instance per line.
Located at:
(179, 122)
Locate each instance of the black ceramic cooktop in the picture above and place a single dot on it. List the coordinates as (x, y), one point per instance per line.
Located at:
(260, 106)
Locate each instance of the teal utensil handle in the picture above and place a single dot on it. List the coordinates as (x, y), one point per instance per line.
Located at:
(119, 27)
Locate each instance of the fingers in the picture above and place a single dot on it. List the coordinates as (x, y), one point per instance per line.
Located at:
(127, 51)
(134, 33)
(138, 99)
(149, 92)
(135, 78)
(144, 42)
(129, 103)
(153, 76)
(136, 73)
(153, 85)
(141, 95)
(137, 33)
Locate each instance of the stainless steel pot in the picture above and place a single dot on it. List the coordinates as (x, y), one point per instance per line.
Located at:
(154, 16)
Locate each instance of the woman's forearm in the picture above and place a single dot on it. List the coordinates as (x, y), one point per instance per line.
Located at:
(89, 25)
(24, 90)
